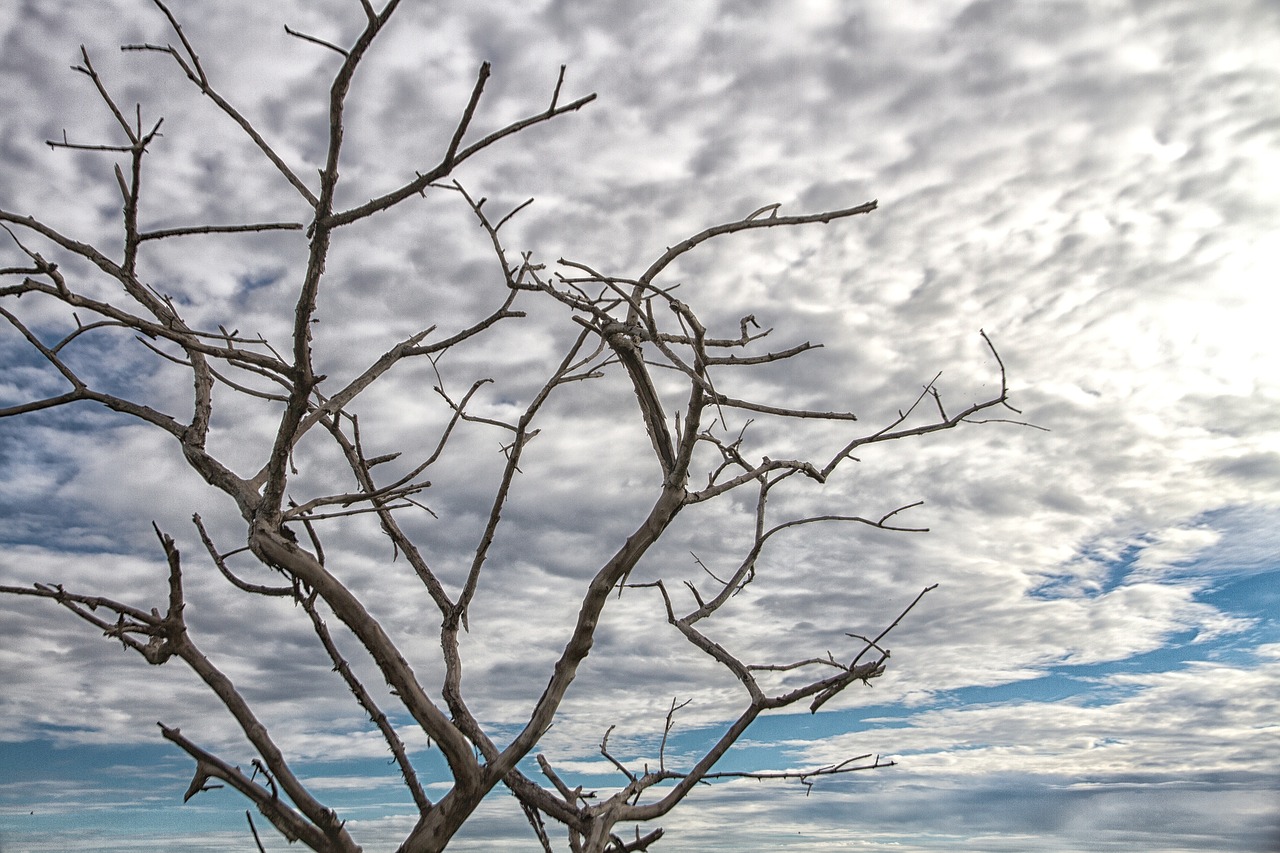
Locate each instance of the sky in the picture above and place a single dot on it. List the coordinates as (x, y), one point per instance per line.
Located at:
(1096, 185)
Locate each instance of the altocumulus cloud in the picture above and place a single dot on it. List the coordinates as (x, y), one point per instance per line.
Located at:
(1094, 184)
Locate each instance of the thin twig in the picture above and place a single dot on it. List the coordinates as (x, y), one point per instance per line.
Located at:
(315, 40)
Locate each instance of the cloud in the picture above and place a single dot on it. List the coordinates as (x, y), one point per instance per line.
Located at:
(1090, 184)
(1125, 763)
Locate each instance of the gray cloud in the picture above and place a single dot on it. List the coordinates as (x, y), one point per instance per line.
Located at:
(1087, 182)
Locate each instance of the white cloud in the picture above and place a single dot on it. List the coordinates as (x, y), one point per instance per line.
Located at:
(1189, 723)
(1092, 184)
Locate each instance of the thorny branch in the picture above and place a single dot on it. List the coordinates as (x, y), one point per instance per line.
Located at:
(624, 329)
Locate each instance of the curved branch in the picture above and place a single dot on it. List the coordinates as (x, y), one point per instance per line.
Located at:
(287, 822)
(746, 224)
(448, 163)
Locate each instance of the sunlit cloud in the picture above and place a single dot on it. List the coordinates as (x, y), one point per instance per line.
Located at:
(1094, 185)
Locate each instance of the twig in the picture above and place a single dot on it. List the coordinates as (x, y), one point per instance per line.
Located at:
(344, 54)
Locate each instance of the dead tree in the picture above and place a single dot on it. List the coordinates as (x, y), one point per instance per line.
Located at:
(623, 330)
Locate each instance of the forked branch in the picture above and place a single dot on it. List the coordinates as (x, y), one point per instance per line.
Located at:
(639, 333)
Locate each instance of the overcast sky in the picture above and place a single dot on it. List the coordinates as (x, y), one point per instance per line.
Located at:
(1094, 184)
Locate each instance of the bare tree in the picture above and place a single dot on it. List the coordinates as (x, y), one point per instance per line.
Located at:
(624, 329)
